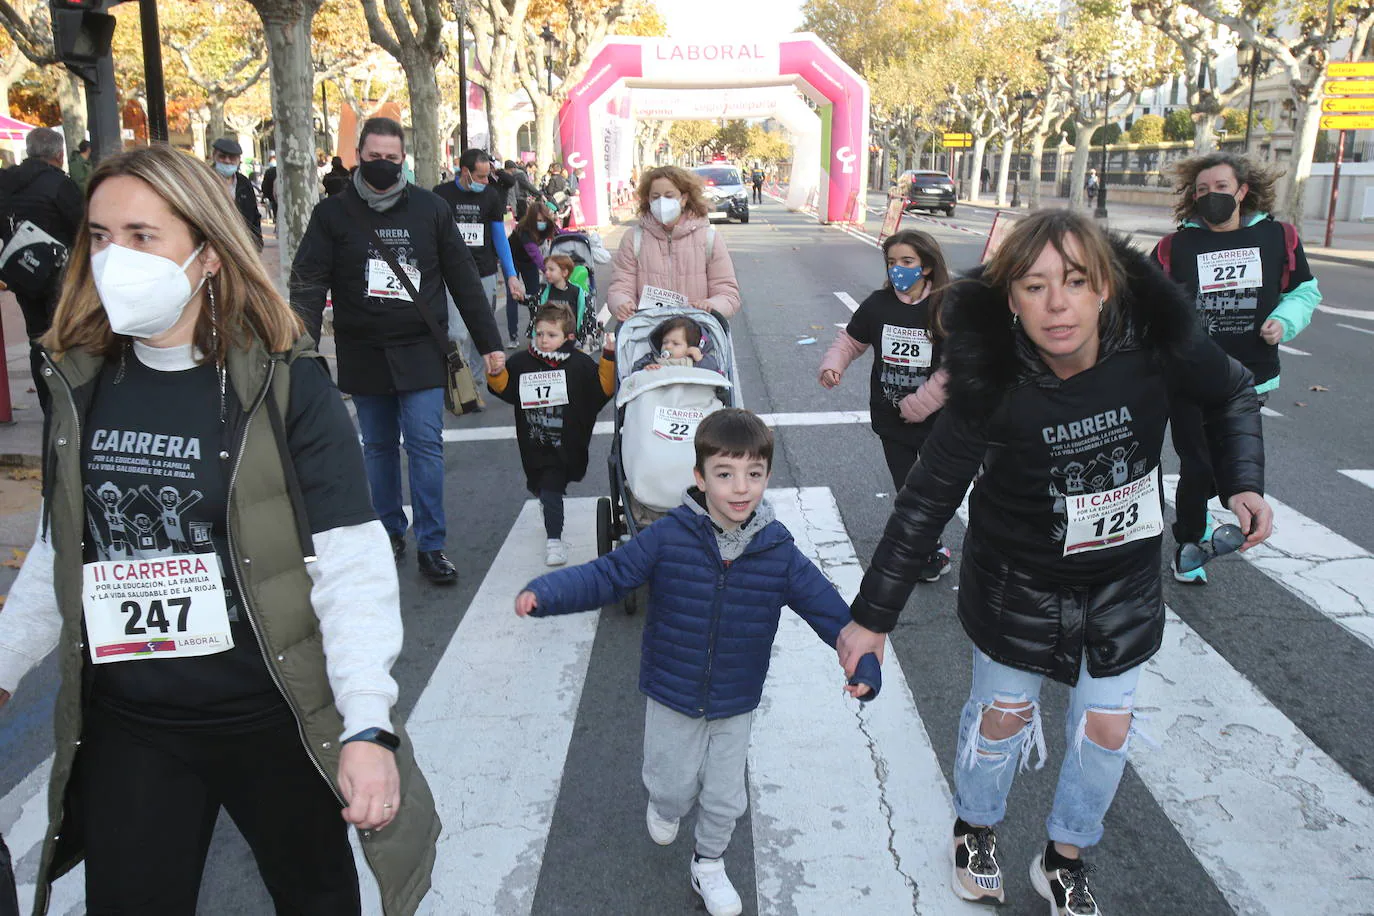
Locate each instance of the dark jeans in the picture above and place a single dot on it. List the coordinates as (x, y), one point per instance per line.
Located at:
(758, 193)
(1196, 484)
(553, 483)
(150, 796)
(419, 416)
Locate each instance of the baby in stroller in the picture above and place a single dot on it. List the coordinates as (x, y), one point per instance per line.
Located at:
(678, 342)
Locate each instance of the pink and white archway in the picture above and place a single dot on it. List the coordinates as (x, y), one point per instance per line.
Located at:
(801, 60)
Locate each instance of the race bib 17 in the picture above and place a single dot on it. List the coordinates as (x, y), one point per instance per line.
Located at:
(543, 389)
(655, 298)
(907, 347)
(1114, 517)
(1237, 268)
(165, 607)
(382, 282)
(677, 424)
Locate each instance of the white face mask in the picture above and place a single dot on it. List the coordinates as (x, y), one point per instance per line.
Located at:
(666, 209)
(143, 294)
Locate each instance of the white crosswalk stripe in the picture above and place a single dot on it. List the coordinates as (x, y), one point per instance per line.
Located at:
(1365, 477)
(1329, 572)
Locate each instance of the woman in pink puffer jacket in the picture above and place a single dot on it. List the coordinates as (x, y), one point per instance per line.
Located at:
(678, 249)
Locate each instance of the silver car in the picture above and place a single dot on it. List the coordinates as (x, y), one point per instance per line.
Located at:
(725, 192)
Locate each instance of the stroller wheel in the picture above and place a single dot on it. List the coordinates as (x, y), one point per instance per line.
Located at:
(605, 527)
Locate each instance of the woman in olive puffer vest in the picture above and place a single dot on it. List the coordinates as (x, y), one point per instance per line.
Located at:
(209, 569)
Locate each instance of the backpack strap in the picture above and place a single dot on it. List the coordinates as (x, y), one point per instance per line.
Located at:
(1290, 263)
(1163, 250)
(710, 241)
(639, 240)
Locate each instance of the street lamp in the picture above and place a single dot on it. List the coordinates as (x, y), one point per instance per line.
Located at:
(1107, 83)
(1248, 57)
(550, 42)
(1023, 98)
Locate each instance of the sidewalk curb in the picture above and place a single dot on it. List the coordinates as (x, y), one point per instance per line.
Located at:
(20, 460)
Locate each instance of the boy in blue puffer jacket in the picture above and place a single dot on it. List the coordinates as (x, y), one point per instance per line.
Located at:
(719, 567)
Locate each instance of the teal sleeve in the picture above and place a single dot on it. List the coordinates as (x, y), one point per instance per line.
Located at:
(498, 237)
(1295, 308)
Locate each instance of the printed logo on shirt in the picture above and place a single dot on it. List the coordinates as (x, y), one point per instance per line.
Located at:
(143, 453)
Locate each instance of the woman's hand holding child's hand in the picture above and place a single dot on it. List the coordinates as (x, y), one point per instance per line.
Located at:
(525, 603)
(829, 378)
(856, 690)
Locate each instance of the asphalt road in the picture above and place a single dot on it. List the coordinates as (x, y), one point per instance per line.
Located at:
(1172, 844)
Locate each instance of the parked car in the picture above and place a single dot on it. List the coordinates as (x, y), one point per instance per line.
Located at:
(725, 191)
(927, 190)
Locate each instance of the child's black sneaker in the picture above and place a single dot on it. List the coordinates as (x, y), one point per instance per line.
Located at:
(937, 564)
(977, 877)
(1064, 883)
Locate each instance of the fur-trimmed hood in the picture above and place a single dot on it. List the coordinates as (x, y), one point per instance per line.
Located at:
(986, 355)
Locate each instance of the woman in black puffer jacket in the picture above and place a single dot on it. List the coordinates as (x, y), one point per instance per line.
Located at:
(1063, 354)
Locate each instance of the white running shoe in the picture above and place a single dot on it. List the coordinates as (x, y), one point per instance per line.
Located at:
(661, 830)
(555, 552)
(710, 881)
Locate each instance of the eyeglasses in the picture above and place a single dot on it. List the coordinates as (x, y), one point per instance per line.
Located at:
(1224, 540)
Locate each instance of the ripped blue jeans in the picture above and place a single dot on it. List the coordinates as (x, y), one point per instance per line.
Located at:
(1088, 777)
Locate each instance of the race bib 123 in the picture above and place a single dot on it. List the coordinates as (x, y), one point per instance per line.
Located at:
(1114, 517)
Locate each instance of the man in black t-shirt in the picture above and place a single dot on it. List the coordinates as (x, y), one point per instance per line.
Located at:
(479, 211)
(1253, 289)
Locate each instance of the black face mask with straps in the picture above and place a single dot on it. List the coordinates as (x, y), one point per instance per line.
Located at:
(1215, 207)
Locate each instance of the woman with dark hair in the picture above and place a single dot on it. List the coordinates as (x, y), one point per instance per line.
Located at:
(527, 240)
(906, 390)
(211, 573)
(673, 248)
(1063, 354)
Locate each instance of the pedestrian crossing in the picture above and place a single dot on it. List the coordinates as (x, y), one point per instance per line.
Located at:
(848, 801)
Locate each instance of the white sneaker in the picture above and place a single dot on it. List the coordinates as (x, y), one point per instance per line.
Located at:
(713, 885)
(555, 552)
(661, 830)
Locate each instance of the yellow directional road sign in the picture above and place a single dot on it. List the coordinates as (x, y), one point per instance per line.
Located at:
(1349, 105)
(1350, 87)
(1347, 122)
(1347, 70)
(957, 140)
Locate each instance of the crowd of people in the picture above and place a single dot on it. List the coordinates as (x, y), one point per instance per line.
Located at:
(212, 565)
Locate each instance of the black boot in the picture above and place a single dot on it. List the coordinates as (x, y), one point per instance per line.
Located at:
(436, 567)
(398, 545)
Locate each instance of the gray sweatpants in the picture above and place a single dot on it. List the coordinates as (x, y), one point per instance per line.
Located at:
(695, 761)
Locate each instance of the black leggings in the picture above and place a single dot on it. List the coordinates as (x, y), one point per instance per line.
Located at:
(900, 460)
(553, 483)
(1195, 482)
(150, 795)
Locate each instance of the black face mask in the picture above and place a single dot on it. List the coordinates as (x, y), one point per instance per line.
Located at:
(1215, 208)
(381, 173)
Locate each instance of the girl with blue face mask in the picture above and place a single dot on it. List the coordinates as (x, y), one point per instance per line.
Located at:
(528, 242)
(902, 321)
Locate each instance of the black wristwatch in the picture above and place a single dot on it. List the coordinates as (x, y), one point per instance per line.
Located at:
(377, 736)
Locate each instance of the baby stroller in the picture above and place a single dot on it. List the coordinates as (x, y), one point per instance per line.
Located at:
(656, 416)
(586, 251)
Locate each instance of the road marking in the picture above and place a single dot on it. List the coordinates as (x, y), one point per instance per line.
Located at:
(848, 301)
(1269, 412)
(1346, 313)
(495, 767)
(24, 821)
(1364, 477)
(1351, 327)
(1324, 569)
(1293, 351)
(605, 427)
(1239, 781)
(832, 783)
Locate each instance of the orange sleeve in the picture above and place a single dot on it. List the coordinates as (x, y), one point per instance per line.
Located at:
(606, 371)
(497, 383)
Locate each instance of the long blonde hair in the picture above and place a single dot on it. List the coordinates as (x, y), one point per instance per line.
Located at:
(248, 305)
(688, 184)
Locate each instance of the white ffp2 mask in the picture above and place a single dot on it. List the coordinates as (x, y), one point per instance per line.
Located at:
(666, 209)
(143, 294)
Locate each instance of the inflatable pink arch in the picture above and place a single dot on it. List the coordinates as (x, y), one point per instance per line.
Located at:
(801, 60)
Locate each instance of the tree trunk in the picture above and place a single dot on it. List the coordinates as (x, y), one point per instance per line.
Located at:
(1037, 167)
(505, 133)
(974, 184)
(71, 97)
(546, 136)
(1078, 173)
(199, 144)
(1204, 135)
(424, 117)
(1305, 130)
(1003, 170)
(215, 126)
(287, 27)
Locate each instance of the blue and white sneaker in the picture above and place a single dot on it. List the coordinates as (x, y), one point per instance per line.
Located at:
(1196, 576)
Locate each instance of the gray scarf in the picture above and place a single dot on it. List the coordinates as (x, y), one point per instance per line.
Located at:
(381, 201)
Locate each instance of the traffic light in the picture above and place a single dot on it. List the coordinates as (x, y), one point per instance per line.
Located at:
(82, 32)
